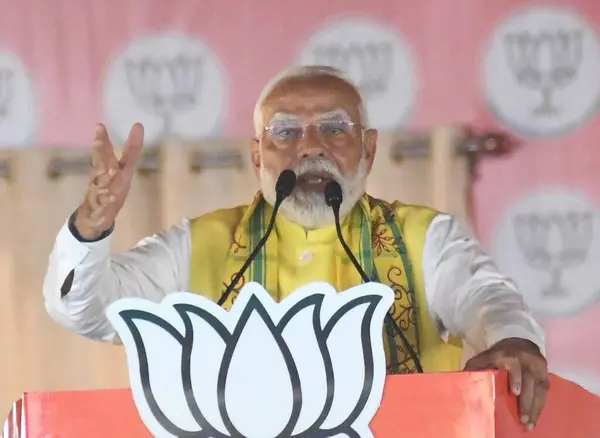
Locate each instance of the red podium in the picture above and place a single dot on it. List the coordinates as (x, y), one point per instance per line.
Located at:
(449, 405)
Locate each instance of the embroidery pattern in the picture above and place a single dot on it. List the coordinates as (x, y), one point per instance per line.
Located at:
(235, 291)
(402, 312)
(381, 241)
(236, 246)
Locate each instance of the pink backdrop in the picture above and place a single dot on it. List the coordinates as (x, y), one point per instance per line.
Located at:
(67, 49)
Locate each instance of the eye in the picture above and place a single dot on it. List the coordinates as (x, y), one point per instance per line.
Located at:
(334, 128)
(331, 130)
(285, 133)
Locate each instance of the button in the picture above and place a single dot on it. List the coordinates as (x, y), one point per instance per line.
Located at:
(306, 257)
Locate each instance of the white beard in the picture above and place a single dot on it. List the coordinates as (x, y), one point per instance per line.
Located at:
(308, 208)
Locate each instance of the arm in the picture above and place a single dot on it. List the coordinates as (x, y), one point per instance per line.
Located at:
(83, 278)
(467, 294)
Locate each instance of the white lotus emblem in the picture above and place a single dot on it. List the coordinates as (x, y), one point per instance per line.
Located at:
(310, 366)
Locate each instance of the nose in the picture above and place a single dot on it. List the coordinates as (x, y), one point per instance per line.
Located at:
(310, 146)
(312, 153)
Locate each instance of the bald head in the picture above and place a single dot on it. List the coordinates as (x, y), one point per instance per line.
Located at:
(312, 80)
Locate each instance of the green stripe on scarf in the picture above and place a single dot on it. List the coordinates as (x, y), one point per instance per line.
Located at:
(401, 249)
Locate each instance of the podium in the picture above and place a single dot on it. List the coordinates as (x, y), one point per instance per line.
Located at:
(449, 405)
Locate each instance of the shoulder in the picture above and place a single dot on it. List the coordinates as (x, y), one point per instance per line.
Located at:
(434, 225)
(225, 218)
(414, 214)
(413, 220)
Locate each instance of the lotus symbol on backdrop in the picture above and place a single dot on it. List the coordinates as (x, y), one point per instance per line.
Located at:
(312, 365)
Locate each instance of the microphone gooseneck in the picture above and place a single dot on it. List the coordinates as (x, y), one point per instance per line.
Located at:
(333, 198)
(283, 188)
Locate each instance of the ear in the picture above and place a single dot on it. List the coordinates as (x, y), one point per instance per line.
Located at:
(255, 155)
(370, 147)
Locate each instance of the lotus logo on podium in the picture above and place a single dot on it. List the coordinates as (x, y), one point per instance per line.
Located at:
(312, 365)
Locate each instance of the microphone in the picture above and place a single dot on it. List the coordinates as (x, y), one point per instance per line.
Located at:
(333, 198)
(283, 188)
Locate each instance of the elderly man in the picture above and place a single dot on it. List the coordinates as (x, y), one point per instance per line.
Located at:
(310, 120)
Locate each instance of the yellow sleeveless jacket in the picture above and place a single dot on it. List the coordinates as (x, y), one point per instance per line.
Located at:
(212, 235)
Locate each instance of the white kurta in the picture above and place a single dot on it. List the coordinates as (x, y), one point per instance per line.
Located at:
(465, 292)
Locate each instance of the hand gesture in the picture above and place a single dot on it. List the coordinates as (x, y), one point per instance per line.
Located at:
(528, 374)
(110, 184)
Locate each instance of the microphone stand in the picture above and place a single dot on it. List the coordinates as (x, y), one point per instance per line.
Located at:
(284, 187)
(333, 198)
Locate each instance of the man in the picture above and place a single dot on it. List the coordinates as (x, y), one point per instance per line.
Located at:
(310, 120)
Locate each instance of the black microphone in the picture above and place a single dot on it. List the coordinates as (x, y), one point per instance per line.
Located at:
(283, 188)
(333, 198)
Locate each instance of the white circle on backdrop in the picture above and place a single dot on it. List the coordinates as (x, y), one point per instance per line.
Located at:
(541, 70)
(377, 59)
(18, 106)
(585, 380)
(549, 244)
(171, 83)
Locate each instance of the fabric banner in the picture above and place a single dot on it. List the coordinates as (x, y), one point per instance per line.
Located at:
(193, 69)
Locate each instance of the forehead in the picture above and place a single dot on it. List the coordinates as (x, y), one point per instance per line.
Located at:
(311, 97)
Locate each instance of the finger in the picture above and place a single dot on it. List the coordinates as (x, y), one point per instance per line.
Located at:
(102, 180)
(103, 204)
(94, 214)
(133, 147)
(539, 372)
(513, 366)
(94, 197)
(479, 362)
(526, 398)
(103, 156)
(105, 199)
(539, 400)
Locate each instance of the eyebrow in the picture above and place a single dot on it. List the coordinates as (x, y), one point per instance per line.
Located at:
(283, 117)
(337, 113)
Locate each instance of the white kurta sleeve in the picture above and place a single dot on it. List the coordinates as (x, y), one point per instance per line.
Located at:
(83, 279)
(467, 295)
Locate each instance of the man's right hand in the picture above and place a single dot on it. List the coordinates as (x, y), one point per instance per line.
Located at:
(110, 184)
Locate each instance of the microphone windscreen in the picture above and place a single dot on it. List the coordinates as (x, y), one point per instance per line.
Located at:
(285, 183)
(333, 194)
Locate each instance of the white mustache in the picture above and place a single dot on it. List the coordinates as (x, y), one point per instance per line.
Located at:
(318, 165)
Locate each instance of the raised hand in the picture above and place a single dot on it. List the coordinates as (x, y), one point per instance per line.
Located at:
(110, 184)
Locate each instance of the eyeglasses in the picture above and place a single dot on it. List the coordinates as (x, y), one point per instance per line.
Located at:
(330, 130)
